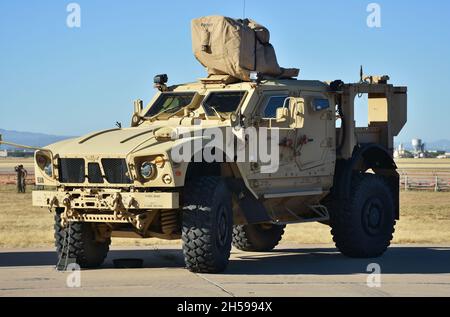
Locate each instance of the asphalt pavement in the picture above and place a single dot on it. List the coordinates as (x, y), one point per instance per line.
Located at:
(290, 270)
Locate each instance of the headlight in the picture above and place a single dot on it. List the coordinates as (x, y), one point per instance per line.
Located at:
(44, 162)
(48, 169)
(148, 170)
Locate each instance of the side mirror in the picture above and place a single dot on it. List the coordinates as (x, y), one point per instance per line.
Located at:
(136, 119)
(282, 114)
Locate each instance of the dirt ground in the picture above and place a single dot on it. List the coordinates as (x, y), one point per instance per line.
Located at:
(425, 219)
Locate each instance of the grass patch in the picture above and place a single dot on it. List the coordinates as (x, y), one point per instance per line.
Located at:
(425, 219)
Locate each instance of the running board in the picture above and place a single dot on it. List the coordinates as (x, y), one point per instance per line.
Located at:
(320, 210)
(311, 192)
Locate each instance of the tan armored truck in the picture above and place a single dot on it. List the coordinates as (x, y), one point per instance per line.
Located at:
(156, 179)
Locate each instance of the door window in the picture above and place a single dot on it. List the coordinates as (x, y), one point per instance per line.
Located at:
(273, 103)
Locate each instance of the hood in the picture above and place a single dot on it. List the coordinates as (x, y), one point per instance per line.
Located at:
(120, 142)
(112, 142)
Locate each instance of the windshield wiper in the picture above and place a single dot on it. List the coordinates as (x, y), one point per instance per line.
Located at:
(217, 113)
(195, 101)
(162, 112)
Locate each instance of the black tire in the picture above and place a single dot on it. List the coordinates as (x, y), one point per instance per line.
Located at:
(363, 227)
(257, 237)
(207, 225)
(82, 245)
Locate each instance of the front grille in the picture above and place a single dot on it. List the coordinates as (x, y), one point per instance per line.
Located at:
(116, 171)
(71, 170)
(94, 173)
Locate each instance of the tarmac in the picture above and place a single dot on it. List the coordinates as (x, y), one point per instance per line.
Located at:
(289, 270)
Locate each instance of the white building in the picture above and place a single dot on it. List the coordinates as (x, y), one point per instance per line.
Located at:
(444, 156)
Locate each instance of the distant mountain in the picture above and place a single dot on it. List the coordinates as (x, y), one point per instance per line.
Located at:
(41, 139)
(29, 138)
(440, 145)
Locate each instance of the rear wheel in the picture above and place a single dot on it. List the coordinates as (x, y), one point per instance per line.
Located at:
(207, 225)
(363, 227)
(257, 237)
(78, 241)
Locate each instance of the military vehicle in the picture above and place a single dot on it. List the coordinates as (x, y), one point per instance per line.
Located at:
(124, 182)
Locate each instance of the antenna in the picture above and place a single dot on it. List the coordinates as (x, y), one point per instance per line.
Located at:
(361, 74)
(243, 10)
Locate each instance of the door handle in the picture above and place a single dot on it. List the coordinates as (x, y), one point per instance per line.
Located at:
(305, 140)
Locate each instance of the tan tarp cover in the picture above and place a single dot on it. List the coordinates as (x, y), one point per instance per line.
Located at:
(235, 47)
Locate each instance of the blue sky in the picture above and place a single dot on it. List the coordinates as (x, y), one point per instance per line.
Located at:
(58, 80)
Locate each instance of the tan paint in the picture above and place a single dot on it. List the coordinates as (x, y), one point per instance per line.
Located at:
(307, 169)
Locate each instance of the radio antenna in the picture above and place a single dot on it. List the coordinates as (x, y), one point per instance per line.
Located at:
(243, 10)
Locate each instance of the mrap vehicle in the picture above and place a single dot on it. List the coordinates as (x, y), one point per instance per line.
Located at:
(125, 182)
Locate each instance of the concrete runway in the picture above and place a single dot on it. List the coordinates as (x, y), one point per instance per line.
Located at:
(290, 270)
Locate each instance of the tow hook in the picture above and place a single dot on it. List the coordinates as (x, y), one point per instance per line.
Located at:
(117, 205)
(66, 201)
(67, 210)
(53, 202)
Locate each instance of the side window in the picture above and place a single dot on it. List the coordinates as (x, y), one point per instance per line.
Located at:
(273, 103)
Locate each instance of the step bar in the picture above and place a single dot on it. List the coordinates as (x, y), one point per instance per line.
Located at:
(297, 193)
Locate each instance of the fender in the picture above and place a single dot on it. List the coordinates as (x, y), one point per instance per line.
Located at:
(251, 208)
(364, 157)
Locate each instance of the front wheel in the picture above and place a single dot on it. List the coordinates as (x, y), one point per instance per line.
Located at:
(363, 227)
(78, 242)
(207, 225)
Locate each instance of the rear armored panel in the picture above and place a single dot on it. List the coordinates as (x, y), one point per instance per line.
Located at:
(399, 111)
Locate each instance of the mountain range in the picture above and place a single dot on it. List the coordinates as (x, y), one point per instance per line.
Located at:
(41, 139)
(28, 138)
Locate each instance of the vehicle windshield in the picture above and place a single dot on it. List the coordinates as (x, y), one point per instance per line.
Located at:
(170, 102)
(223, 102)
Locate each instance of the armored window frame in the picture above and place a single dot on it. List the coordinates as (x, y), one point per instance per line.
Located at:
(266, 104)
(208, 96)
(165, 94)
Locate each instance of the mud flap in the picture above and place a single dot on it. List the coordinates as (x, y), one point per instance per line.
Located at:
(252, 209)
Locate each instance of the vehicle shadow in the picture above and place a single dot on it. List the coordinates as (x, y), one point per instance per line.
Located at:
(153, 258)
(328, 261)
(303, 261)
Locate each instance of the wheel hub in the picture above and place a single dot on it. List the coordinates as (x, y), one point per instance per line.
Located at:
(222, 227)
(373, 216)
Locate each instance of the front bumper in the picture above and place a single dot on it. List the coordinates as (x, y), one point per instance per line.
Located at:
(106, 200)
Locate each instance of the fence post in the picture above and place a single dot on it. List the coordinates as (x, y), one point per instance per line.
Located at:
(406, 182)
(436, 185)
